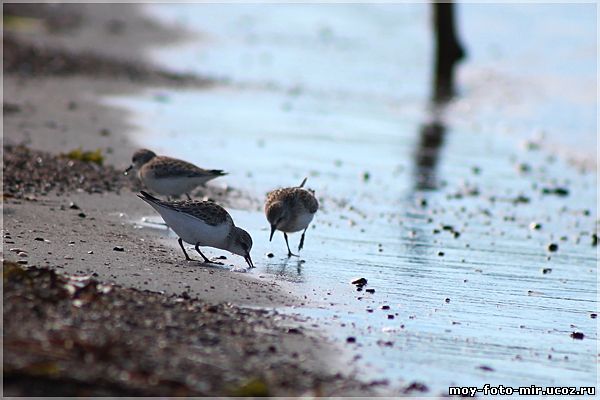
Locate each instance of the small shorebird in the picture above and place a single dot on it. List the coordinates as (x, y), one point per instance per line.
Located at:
(291, 210)
(169, 176)
(202, 223)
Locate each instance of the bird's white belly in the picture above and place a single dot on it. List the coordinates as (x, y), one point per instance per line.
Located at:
(171, 186)
(192, 230)
(298, 224)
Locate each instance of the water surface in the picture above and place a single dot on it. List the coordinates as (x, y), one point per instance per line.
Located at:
(436, 214)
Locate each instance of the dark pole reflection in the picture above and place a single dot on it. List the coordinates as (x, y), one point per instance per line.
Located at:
(427, 154)
(432, 132)
(448, 53)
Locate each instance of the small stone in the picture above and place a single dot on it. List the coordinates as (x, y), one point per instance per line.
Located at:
(39, 239)
(350, 339)
(546, 270)
(557, 191)
(577, 335)
(270, 255)
(73, 206)
(385, 307)
(535, 226)
(81, 215)
(593, 315)
(185, 295)
(552, 247)
(594, 239)
(118, 248)
(441, 253)
(390, 316)
(359, 281)
(370, 291)
(90, 252)
(485, 368)
(447, 300)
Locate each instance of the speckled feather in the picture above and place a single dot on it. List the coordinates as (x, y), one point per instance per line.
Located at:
(167, 167)
(207, 211)
(293, 197)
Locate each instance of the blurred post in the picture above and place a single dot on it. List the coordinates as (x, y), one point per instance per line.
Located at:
(448, 51)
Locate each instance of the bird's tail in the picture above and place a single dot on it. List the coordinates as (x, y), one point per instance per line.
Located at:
(217, 172)
(303, 182)
(148, 197)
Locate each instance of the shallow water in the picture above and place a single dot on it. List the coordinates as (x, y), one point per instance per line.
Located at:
(338, 93)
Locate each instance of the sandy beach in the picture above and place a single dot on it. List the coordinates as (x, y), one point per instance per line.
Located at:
(68, 221)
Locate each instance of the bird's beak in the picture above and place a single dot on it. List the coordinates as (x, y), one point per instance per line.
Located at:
(249, 260)
(128, 169)
(273, 228)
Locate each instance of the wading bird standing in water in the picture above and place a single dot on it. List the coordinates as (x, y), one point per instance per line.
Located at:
(169, 176)
(202, 223)
(291, 210)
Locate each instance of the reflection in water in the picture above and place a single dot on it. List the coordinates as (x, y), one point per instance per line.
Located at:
(427, 154)
(287, 269)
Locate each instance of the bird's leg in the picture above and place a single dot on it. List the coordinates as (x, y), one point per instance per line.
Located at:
(206, 260)
(182, 248)
(188, 196)
(288, 246)
(301, 245)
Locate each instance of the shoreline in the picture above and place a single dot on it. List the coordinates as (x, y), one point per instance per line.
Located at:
(59, 110)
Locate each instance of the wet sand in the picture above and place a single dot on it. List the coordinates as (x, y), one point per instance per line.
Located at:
(80, 227)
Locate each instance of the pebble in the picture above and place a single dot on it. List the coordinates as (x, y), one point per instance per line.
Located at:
(557, 191)
(441, 253)
(577, 335)
(552, 247)
(81, 215)
(535, 226)
(593, 315)
(546, 270)
(351, 339)
(270, 255)
(359, 281)
(39, 239)
(370, 290)
(73, 206)
(118, 248)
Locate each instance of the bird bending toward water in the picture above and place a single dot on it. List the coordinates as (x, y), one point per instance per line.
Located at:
(290, 210)
(202, 223)
(169, 176)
